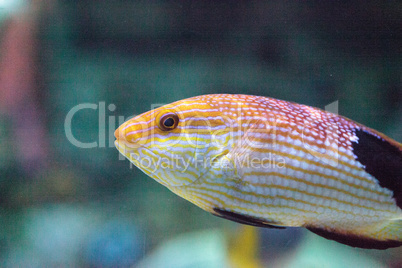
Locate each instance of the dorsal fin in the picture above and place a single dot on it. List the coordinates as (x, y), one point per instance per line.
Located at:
(382, 160)
(244, 219)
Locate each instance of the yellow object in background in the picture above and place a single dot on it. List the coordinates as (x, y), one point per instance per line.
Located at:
(244, 247)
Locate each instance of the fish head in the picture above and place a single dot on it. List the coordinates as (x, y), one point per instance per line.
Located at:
(174, 144)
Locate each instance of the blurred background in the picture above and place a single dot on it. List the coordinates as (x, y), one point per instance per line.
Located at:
(94, 64)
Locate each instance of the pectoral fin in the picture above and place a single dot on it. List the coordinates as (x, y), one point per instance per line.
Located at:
(245, 219)
(253, 148)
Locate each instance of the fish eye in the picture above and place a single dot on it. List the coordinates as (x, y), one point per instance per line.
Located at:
(168, 121)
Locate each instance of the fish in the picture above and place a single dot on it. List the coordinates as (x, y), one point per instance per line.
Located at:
(272, 163)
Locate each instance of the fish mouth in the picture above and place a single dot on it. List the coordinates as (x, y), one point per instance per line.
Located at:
(121, 143)
(124, 147)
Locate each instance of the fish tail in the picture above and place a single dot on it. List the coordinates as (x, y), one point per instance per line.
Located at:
(380, 235)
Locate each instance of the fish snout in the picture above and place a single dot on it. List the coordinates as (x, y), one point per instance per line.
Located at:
(131, 133)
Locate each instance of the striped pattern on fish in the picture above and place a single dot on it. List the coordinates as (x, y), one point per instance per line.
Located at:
(268, 162)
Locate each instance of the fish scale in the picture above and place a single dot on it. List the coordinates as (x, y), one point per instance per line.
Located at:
(272, 163)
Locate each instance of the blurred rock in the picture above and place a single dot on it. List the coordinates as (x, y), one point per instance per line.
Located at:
(192, 250)
(51, 236)
(113, 244)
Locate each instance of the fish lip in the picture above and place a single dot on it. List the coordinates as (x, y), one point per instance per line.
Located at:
(125, 145)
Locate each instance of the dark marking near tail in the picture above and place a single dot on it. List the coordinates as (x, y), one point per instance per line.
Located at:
(355, 240)
(244, 219)
(382, 160)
